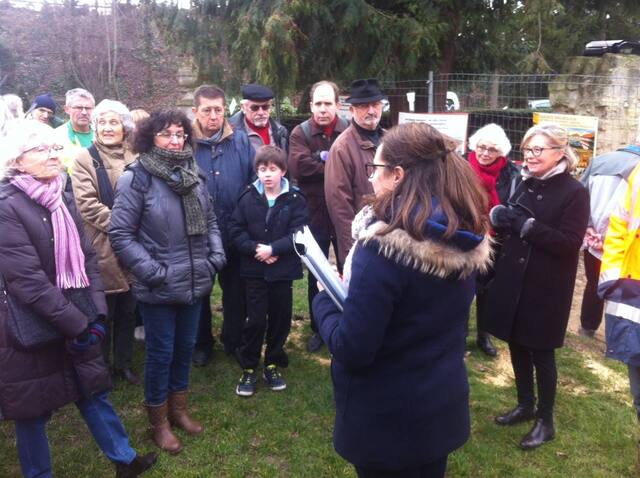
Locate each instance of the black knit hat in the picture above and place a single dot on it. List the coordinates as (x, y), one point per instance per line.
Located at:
(365, 91)
(256, 92)
(44, 101)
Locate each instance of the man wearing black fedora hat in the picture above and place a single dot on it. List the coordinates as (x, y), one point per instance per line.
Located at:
(346, 181)
(255, 120)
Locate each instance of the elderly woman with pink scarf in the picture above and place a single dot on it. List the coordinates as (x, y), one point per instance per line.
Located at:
(49, 274)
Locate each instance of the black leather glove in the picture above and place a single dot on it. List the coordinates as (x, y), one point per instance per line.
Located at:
(503, 217)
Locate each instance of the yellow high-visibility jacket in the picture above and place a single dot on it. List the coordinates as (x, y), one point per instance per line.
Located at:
(619, 281)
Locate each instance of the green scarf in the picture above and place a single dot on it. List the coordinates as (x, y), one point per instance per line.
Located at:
(179, 171)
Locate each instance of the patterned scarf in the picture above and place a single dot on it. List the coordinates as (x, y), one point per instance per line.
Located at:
(179, 171)
(70, 271)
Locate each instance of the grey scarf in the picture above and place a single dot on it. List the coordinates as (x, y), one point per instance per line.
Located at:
(178, 170)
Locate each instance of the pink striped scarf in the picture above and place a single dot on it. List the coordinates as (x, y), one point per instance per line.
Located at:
(70, 271)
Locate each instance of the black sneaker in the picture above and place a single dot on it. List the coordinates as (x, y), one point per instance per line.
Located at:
(315, 343)
(201, 357)
(273, 378)
(247, 383)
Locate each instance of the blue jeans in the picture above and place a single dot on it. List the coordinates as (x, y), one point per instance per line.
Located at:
(170, 336)
(102, 421)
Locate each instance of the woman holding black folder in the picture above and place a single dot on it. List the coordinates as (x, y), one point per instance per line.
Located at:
(399, 377)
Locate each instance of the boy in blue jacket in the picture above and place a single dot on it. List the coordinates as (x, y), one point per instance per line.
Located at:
(269, 211)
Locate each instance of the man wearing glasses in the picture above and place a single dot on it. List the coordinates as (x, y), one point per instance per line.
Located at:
(76, 133)
(346, 180)
(226, 157)
(254, 118)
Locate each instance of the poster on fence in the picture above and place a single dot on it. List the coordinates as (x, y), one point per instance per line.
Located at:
(583, 132)
(343, 107)
(451, 124)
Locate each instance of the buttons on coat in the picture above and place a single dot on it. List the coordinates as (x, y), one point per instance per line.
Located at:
(44, 219)
(539, 197)
(521, 260)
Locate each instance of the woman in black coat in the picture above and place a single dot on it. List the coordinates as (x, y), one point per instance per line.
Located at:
(164, 230)
(400, 382)
(50, 275)
(529, 300)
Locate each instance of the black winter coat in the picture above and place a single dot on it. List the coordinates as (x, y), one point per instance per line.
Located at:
(33, 383)
(254, 222)
(529, 300)
(148, 234)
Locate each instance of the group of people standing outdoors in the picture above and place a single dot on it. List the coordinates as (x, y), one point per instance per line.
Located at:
(142, 214)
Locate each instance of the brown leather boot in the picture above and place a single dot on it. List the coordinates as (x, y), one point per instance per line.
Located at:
(160, 430)
(178, 415)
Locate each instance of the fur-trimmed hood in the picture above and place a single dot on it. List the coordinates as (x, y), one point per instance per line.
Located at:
(463, 254)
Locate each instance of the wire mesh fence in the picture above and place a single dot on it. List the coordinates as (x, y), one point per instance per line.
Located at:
(512, 100)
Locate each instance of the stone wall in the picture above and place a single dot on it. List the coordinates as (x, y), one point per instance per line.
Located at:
(607, 87)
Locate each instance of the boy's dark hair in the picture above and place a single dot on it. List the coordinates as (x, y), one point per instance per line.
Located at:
(270, 155)
(145, 133)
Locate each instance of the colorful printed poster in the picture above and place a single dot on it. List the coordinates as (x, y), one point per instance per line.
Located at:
(583, 133)
(453, 125)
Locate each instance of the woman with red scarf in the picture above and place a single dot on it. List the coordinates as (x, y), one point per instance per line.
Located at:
(499, 176)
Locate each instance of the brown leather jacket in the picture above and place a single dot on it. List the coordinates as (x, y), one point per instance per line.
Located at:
(346, 183)
(307, 170)
(97, 216)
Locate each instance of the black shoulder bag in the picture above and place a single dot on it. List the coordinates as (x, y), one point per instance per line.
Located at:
(105, 191)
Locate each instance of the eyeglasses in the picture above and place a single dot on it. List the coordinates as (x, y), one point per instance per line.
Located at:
(536, 151)
(370, 168)
(486, 149)
(167, 136)
(255, 108)
(44, 148)
(79, 109)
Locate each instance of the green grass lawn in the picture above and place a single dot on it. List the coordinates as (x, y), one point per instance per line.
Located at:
(288, 434)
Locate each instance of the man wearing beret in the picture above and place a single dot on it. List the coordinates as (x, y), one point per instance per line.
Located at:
(226, 157)
(43, 109)
(254, 118)
(345, 178)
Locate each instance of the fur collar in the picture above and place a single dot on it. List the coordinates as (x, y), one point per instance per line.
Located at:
(441, 258)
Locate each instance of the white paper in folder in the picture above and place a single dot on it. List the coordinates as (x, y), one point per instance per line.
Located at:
(311, 254)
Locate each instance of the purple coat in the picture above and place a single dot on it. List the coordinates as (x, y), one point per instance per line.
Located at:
(33, 383)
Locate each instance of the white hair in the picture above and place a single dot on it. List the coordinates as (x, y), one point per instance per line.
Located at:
(71, 95)
(112, 106)
(494, 134)
(21, 135)
(14, 103)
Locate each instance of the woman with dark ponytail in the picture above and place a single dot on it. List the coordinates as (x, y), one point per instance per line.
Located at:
(401, 391)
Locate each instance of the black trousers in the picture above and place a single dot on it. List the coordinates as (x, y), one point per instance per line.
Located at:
(312, 287)
(121, 323)
(234, 310)
(592, 305)
(269, 308)
(524, 361)
(435, 469)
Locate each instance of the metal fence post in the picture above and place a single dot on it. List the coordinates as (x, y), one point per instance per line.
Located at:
(430, 86)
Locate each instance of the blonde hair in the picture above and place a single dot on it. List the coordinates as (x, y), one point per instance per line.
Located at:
(557, 137)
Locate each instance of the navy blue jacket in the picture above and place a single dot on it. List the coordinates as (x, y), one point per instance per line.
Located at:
(254, 222)
(228, 167)
(148, 234)
(400, 382)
